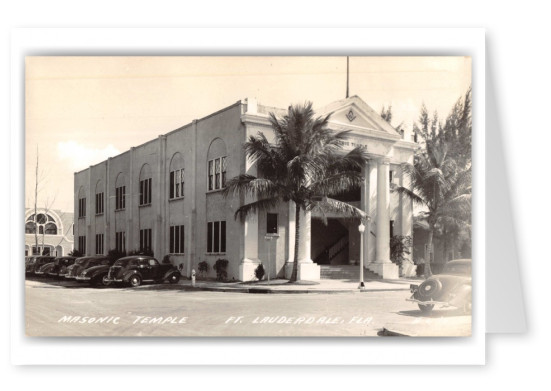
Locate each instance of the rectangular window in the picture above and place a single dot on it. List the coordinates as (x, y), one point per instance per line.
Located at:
(211, 175)
(271, 223)
(82, 244)
(99, 203)
(217, 173)
(120, 241)
(216, 237)
(390, 176)
(145, 192)
(176, 183)
(82, 207)
(120, 197)
(99, 244)
(176, 239)
(145, 239)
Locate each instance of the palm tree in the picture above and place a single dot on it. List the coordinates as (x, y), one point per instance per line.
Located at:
(305, 165)
(441, 187)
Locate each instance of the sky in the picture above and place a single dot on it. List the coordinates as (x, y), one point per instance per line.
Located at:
(81, 110)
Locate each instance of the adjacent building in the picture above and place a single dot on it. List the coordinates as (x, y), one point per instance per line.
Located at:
(166, 195)
(48, 232)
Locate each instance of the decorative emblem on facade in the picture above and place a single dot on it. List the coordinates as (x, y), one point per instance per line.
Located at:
(351, 117)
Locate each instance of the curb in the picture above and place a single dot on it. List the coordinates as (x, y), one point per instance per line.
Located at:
(288, 291)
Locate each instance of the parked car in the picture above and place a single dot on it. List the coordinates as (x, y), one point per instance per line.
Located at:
(134, 270)
(84, 263)
(36, 262)
(60, 266)
(452, 287)
(95, 275)
(44, 270)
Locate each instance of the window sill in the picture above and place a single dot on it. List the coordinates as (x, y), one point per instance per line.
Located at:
(144, 205)
(176, 254)
(176, 199)
(81, 217)
(120, 210)
(99, 214)
(215, 254)
(215, 191)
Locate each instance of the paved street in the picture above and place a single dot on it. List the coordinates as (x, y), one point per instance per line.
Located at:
(73, 309)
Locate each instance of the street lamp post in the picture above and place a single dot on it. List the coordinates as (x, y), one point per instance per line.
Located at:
(361, 228)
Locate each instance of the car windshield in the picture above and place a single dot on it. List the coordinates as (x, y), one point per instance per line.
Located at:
(462, 268)
(81, 262)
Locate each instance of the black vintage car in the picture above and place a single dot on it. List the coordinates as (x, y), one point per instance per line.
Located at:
(84, 263)
(136, 269)
(36, 262)
(452, 288)
(96, 275)
(59, 268)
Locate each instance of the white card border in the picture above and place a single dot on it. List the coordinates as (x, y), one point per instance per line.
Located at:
(282, 351)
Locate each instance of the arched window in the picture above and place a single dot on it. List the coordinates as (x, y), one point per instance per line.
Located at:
(145, 185)
(176, 181)
(216, 165)
(44, 222)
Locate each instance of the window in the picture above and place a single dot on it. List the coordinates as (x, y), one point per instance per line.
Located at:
(82, 207)
(145, 192)
(216, 237)
(390, 175)
(176, 244)
(120, 241)
(217, 173)
(145, 239)
(120, 197)
(99, 203)
(271, 223)
(82, 244)
(99, 244)
(176, 183)
(391, 228)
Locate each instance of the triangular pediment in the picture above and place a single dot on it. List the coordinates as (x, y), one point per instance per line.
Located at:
(355, 114)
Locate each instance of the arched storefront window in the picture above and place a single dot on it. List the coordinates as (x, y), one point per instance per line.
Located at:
(44, 222)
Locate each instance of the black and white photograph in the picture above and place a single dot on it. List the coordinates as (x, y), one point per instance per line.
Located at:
(248, 196)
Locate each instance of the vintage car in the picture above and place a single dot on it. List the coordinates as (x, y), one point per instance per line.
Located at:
(84, 263)
(136, 269)
(36, 262)
(60, 266)
(44, 270)
(451, 288)
(95, 275)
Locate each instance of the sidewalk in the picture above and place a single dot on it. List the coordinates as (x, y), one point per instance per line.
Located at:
(282, 286)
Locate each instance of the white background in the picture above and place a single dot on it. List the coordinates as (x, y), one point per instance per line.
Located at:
(518, 50)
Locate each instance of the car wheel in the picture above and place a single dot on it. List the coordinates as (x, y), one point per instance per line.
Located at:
(429, 288)
(425, 308)
(105, 281)
(135, 281)
(174, 278)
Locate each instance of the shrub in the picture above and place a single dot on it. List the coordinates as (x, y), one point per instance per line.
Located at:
(115, 254)
(259, 272)
(75, 253)
(203, 268)
(399, 247)
(220, 266)
(166, 259)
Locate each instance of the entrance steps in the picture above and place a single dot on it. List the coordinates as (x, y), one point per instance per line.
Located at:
(345, 272)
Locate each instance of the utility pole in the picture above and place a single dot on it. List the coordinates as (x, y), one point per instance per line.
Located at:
(347, 75)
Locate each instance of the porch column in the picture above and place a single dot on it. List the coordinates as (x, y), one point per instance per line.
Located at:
(290, 240)
(365, 206)
(383, 266)
(250, 260)
(307, 269)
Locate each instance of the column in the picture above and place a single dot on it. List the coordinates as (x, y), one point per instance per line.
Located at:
(307, 269)
(383, 219)
(365, 206)
(290, 240)
(383, 266)
(250, 260)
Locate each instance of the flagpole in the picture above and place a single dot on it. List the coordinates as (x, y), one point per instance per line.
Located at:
(347, 72)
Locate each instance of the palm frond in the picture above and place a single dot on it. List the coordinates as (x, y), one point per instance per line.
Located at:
(247, 210)
(330, 205)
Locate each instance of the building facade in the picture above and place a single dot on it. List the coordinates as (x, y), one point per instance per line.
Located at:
(48, 232)
(166, 195)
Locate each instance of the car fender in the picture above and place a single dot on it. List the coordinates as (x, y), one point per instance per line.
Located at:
(130, 273)
(171, 272)
(461, 296)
